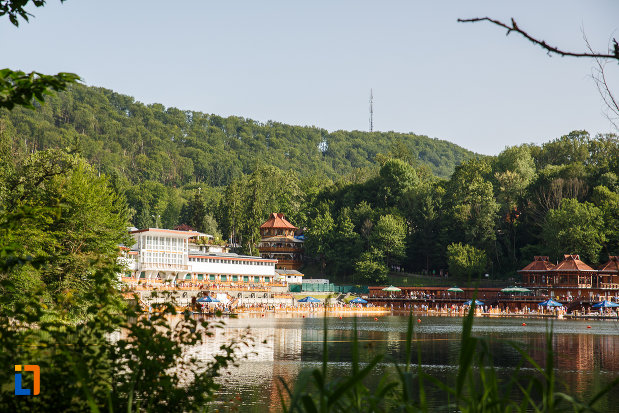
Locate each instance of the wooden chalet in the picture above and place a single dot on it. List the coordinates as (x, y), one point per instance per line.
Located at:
(571, 277)
(536, 273)
(572, 272)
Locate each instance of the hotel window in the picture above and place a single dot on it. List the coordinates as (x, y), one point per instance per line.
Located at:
(211, 277)
(235, 278)
(245, 279)
(200, 277)
(267, 279)
(257, 279)
(223, 278)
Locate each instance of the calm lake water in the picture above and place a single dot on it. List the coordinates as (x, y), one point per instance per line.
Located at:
(586, 358)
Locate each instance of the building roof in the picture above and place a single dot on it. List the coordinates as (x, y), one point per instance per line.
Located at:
(227, 255)
(572, 263)
(167, 231)
(540, 263)
(277, 220)
(288, 272)
(611, 266)
(204, 254)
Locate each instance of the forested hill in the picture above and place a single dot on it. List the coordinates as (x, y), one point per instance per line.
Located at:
(176, 147)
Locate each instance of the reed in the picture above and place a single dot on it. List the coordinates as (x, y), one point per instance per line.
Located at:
(476, 387)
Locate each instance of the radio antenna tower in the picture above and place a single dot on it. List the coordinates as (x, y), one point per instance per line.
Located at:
(371, 111)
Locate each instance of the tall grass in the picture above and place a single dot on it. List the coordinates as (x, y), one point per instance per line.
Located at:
(476, 386)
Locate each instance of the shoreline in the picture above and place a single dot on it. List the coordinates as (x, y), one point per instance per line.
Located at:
(376, 312)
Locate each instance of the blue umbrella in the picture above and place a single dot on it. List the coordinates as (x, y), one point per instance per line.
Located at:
(308, 299)
(550, 303)
(206, 299)
(605, 304)
(358, 300)
(477, 302)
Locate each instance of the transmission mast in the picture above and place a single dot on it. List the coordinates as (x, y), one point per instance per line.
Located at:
(371, 111)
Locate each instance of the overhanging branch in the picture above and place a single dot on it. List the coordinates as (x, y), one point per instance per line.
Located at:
(551, 49)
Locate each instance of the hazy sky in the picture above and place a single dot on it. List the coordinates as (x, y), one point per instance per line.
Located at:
(314, 62)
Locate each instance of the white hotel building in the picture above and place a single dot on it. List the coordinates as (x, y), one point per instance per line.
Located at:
(170, 255)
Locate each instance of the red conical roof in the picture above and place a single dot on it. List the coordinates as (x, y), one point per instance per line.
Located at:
(539, 263)
(277, 220)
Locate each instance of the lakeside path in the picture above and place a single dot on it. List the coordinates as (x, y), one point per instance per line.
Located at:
(340, 312)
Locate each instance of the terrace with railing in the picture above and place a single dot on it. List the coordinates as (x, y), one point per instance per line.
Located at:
(148, 266)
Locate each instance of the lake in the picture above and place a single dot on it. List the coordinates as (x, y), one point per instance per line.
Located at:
(586, 358)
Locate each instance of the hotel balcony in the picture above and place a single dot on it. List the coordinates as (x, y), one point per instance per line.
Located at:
(148, 266)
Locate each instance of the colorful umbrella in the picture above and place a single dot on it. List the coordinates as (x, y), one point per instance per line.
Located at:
(391, 288)
(605, 304)
(308, 299)
(550, 303)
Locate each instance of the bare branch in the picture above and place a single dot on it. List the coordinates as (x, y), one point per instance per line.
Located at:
(599, 77)
(551, 49)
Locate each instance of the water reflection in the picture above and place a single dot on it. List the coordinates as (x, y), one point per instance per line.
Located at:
(586, 358)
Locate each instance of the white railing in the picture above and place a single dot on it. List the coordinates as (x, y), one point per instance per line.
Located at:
(153, 266)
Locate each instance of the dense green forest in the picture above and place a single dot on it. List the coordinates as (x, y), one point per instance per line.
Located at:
(492, 215)
(155, 154)
(368, 202)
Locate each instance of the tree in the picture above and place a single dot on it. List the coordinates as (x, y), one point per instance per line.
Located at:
(77, 230)
(396, 178)
(608, 202)
(170, 217)
(345, 245)
(423, 212)
(371, 267)
(388, 236)
(20, 89)
(473, 208)
(231, 211)
(319, 236)
(197, 211)
(514, 172)
(575, 228)
(465, 260)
